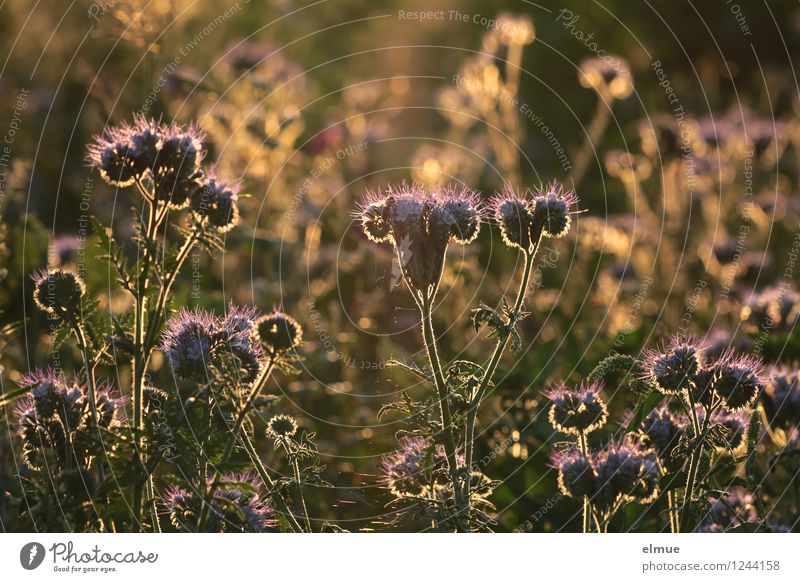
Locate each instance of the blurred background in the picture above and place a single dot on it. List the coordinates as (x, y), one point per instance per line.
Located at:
(688, 187)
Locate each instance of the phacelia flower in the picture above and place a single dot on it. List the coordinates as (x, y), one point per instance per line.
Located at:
(188, 343)
(239, 504)
(663, 430)
(236, 334)
(58, 293)
(610, 76)
(781, 398)
(675, 369)
(736, 507)
(576, 474)
(736, 379)
(513, 214)
(215, 202)
(115, 157)
(626, 470)
(551, 209)
(577, 411)
(402, 469)
(281, 426)
(420, 225)
(279, 333)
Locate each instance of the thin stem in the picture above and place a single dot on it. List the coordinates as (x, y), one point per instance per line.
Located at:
(279, 501)
(258, 385)
(694, 460)
(296, 468)
(586, 502)
(88, 365)
(602, 116)
(472, 413)
(448, 439)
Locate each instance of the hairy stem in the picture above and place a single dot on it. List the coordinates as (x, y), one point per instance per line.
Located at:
(475, 402)
(296, 469)
(586, 503)
(448, 428)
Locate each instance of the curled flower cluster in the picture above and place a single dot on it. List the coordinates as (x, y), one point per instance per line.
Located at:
(165, 161)
(58, 293)
(420, 225)
(781, 398)
(239, 504)
(195, 340)
(524, 217)
(411, 470)
(623, 471)
(733, 380)
(54, 412)
(278, 332)
(577, 411)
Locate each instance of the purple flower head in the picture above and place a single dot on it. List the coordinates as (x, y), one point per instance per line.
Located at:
(781, 397)
(114, 156)
(58, 293)
(46, 389)
(626, 471)
(239, 504)
(109, 406)
(675, 368)
(63, 249)
(215, 202)
(733, 426)
(513, 214)
(578, 410)
(663, 430)
(736, 507)
(420, 225)
(737, 380)
(551, 209)
(402, 469)
(236, 332)
(576, 474)
(188, 343)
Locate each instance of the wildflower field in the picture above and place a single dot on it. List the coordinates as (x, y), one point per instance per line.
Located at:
(408, 266)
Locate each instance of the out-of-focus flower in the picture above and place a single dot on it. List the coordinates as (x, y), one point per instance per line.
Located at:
(736, 507)
(777, 308)
(627, 166)
(781, 398)
(610, 76)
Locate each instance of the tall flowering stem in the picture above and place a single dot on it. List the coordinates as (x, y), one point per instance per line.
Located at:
(164, 164)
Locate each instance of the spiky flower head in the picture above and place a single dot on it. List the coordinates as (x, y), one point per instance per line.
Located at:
(236, 331)
(675, 368)
(730, 510)
(781, 397)
(626, 471)
(281, 426)
(58, 292)
(278, 332)
(732, 426)
(737, 380)
(420, 225)
(239, 504)
(578, 410)
(215, 202)
(576, 474)
(663, 430)
(114, 156)
(551, 209)
(513, 213)
(188, 342)
(402, 469)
